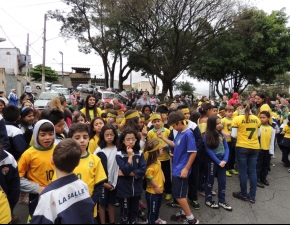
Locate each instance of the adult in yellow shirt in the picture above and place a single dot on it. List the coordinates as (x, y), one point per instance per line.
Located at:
(246, 128)
(262, 105)
(91, 110)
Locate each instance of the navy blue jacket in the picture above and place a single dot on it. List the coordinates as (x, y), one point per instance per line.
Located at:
(17, 142)
(129, 186)
(9, 178)
(3, 134)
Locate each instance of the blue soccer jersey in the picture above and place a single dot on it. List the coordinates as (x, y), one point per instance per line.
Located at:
(184, 145)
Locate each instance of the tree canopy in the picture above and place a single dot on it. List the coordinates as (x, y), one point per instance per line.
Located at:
(186, 87)
(254, 50)
(50, 75)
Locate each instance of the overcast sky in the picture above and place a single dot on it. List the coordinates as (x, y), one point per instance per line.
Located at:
(19, 17)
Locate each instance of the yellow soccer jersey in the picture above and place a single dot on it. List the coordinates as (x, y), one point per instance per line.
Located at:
(286, 130)
(5, 215)
(91, 112)
(93, 144)
(152, 135)
(35, 165)
(202, 127)
(247, 132)
(266, 137)
(154, 172)
(91, 171)
(227, 127)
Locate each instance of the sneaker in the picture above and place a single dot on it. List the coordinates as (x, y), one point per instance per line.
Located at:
(226, 206)
(202, 193)
(142, 205)
(233, 171)
(213, 193)
(273, 157)
(212, 204)
(160, 221)
(168, 197)
(195, 205)
(178, 217)
(141, 220)
(141, 213)
(239, 195)
(172, 204)
(259, 184)
(251, 200)
(228, 174)
(194, 221)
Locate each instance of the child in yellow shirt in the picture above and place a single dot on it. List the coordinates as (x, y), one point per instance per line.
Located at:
(155, 180)
(96, 126)
(34, 166)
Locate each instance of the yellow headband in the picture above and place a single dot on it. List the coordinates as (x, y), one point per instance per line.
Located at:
(111, 115)
(119, 119)
(156, 148)
(221, 111)
(130, 116)
(142, 118)
(155, 116)
(185, 111)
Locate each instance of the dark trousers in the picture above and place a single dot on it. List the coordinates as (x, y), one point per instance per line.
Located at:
(285, 155)
(166, 168)
(263, 163)
(33, 200)
(129, 209)
(213, 170)
(153, 204)
(201, 174)
(193, 181)
(232, 156)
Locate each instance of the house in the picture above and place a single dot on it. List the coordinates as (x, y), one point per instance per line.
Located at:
(145, 85)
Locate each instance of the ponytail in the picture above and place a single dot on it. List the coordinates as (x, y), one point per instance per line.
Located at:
(247, 107)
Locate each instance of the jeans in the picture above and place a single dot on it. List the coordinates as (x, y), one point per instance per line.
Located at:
(247, 160)
(153, 204)
(263, 164)
(213, 170)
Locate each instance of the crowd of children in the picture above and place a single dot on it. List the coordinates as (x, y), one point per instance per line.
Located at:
(77, 165)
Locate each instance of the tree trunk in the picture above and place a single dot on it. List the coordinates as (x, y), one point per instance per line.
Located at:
(125, 77)
(105, 66)
(164, 89)
(111, 79)
(171, 90)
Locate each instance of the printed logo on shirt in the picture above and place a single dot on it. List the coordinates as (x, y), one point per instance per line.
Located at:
(178, 143)
(137, 160)
(91, 164)
(5, 170)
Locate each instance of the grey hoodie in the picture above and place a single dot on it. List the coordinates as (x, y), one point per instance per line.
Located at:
(25, 184)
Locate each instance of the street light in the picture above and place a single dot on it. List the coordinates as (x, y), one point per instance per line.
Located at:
(61, 66)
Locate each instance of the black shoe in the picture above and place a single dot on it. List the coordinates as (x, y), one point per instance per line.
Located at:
(194, 204)
(239, 195)
(259, 184)
(265, 182)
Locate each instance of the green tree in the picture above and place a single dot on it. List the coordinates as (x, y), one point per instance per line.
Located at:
(92, 23)
(186, 87)
(50, 75)
(170, 35)
(253, 51)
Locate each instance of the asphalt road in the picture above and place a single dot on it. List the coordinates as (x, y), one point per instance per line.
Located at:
(271, 207)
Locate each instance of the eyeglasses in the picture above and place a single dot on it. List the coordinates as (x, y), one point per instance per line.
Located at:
(109, 135)
(130, 139)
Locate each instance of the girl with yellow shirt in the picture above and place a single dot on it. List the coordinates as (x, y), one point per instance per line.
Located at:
(285, 144)
(155, 180)
(262, 105)
(91, 110)
(96, 126)
(246, 128)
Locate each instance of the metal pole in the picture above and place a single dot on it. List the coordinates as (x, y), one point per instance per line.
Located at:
(43, 57)
(62, 67)
(27, 52)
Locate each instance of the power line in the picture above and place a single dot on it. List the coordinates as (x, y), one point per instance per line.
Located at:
(18, 22)
(45, 3)
(7, 36)
(36, 39)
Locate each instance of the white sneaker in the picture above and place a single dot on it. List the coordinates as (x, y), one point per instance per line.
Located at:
(160, 221)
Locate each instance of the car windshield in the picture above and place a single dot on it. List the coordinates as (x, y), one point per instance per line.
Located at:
(47, 96)
(109, 95)
(62, 91)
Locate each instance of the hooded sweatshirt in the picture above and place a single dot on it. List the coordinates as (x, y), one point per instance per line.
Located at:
(34, 166)
(234, 100)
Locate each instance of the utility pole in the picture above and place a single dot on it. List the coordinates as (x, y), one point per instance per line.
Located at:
(43, 56)
(62, 67)
(27, 52)
(131, 79)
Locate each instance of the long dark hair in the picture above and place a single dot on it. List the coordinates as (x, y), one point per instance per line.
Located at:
(94, 108)
(152, 156)
(122, 146)
(25, 112)
(264, 97)
(212, 135)
(203, 109)
(92, 131)
(102, 143)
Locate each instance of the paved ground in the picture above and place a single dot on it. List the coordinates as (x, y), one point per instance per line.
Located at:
(271, 207)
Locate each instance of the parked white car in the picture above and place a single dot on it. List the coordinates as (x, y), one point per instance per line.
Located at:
(65, 92)
(44, 98)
